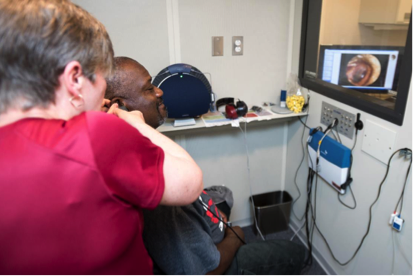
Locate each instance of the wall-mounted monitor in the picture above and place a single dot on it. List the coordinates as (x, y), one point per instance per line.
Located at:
(370, 69)
(323, 29)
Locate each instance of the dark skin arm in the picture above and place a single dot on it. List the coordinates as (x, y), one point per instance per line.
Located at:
(227, 248)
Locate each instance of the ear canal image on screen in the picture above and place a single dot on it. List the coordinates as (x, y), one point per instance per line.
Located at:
(363, 70)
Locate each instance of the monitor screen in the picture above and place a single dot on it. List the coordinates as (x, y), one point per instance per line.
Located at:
(363, 68)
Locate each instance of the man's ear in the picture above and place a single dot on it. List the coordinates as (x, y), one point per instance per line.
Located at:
(73, 78)
(120, 101)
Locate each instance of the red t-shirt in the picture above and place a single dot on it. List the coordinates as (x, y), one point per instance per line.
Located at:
(71, 194)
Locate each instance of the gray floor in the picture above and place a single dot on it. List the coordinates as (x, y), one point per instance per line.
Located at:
(314, 269)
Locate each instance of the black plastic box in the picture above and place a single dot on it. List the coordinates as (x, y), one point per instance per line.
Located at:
(272, 211)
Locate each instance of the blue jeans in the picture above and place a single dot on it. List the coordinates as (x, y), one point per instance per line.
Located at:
(270, 257)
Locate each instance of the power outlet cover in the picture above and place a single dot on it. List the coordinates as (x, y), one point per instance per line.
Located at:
(378, 141)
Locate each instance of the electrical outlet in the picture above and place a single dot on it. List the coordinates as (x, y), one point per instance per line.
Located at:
(237, 45)
(345, 119)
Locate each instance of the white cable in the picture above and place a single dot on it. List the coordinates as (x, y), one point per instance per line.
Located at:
(394, 250)
(295, 233)
(319, 146)
(402, 253)
(249, 180)
(329, 128)
(335, 137)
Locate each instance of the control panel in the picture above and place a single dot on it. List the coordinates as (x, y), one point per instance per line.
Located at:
(346, 120)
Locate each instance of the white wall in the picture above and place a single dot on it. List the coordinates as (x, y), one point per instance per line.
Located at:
(138, 29)
(260, 73)
(342, 227)
(160, 32)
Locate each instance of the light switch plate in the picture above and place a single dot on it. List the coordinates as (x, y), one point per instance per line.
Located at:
(217, 46)
(378, 141)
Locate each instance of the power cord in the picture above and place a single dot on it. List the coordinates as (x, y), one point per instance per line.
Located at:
(305, 124)
(249, 179)
(395, 211)
(370, 216)
(309, 208)
(338, 135)
(349, 179)
(296, 232)
(354, 199)
(400, 201)
(326, 132)
(310, 229)
(402, 253)
(349, 176)
(296, 173)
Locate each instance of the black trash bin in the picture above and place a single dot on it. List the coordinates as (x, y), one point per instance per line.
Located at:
(272, 211)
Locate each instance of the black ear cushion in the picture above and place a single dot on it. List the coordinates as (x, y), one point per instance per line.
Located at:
(242, 108)
(224, 101)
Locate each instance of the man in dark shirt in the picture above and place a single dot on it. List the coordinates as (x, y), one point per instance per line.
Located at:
(192, 239)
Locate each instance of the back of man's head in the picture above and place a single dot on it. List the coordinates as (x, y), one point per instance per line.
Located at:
(38, 39)
(122, 72)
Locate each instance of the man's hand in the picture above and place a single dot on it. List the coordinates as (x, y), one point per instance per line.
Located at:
(238, 230)
(227, 248)
(224, 217)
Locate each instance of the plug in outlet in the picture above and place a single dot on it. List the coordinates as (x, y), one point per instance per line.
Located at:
(406, 153)
(398, 223)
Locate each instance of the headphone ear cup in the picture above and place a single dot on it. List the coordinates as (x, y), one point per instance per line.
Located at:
(242, 108)
(231, 111)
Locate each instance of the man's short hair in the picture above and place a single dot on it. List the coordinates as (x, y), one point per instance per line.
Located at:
(114, 83)
(38, 38)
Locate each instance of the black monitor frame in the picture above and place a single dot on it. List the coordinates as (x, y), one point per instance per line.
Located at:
(309, 49)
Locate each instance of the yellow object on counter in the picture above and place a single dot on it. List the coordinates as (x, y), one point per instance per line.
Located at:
(295, 103)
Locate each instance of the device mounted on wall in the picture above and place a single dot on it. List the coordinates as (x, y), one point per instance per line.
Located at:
(186, 91)
(334, 161)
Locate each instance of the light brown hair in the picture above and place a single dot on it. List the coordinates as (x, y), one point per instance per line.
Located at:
(38, 38)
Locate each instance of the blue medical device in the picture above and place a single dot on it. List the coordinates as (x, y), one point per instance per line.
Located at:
(334, 161)
(186, 91)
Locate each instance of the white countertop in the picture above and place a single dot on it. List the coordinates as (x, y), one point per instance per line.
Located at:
(168, 126)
